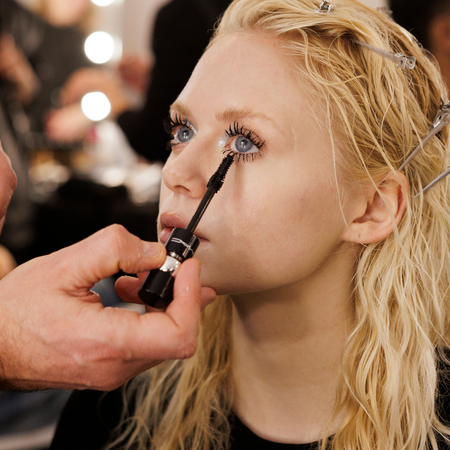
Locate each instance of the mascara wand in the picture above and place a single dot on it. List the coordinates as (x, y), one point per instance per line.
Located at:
(157, 289)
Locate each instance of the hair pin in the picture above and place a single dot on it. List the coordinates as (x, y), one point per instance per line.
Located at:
(400, 59)
(441, 121)
(325, 7)
(436, 180)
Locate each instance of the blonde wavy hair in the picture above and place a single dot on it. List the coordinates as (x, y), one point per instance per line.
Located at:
(390, 366)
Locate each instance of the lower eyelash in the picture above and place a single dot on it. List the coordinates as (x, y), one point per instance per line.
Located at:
(245, 157)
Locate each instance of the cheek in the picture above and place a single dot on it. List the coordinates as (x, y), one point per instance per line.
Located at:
(272, 238)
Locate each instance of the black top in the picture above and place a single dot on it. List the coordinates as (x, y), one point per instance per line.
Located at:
(182, 31)
(90, 416)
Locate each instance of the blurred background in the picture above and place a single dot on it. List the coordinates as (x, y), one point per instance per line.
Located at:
(84, 88)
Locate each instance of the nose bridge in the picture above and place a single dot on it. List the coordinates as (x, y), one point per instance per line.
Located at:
(188, 171)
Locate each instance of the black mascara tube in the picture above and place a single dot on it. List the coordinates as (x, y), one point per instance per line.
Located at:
(157, 289)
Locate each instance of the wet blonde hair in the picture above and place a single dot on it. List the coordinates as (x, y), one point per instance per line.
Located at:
(376, 114)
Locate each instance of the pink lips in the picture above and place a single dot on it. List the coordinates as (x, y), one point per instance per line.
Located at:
(170, 221)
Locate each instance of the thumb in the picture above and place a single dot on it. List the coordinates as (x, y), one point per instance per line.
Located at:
(105, 253)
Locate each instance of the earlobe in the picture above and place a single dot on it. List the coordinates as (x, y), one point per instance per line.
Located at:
(384, 209)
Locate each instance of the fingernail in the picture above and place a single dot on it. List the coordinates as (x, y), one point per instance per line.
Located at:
(151, 249)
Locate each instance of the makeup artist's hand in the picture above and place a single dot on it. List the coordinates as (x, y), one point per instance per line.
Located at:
(67, 124)
(54, 332)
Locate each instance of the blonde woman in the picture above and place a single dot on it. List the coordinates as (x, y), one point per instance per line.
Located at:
(332, 264)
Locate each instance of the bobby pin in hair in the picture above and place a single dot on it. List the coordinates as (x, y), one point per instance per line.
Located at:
(436, 180)
(399, 58)
(325, 7)
(441, 121)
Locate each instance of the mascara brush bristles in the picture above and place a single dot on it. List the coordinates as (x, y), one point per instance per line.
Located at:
(216, 181)
(214, 184)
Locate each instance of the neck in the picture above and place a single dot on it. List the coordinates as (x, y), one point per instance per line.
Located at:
(287, 346)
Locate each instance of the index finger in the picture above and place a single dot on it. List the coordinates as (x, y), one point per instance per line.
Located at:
(171, 334)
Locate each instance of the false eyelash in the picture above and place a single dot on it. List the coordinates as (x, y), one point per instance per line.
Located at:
(169, 124)
(236, 130)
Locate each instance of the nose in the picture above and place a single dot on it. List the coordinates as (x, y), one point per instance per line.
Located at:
(187, 171)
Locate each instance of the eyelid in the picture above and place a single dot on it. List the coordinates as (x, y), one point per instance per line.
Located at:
(171, 123)
(235, 129)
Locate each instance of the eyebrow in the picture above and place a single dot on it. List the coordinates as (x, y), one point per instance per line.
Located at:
(229, 115)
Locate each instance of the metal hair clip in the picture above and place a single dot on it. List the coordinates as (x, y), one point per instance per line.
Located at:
(441, 121)
(324, 8)
(436, 180)
(400, 59)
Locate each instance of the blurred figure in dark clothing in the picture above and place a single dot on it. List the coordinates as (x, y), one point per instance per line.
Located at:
(37, 55)
(429, 22)
(182, 31)
(36, 58)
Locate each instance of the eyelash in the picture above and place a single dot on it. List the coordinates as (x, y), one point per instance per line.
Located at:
(237, 130)
(234, 130)
(170, 124)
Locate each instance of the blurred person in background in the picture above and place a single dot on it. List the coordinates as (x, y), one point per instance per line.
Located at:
(429, 22)
(38, 70)
(181, 33)
(38, 52)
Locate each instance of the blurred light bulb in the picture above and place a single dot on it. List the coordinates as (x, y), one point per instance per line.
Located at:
(96, 106)
(102, 2)
(99, 47)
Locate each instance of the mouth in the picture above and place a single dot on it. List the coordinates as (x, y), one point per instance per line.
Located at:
(169, 221)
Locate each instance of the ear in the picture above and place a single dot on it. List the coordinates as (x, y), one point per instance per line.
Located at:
(439, 33)
(383, 209)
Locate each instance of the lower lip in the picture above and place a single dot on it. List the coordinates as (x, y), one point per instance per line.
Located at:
(165, 233)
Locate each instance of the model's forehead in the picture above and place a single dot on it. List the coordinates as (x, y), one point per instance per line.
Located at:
(245, 71)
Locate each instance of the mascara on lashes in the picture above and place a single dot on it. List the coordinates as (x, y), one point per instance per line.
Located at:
(234, 130)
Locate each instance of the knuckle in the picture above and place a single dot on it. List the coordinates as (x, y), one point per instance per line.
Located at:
(188, 349)
(116, 236)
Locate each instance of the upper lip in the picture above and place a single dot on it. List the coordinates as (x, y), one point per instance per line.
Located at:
(172, 220)
(169, 220)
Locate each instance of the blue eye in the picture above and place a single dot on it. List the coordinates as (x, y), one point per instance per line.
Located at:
(243, 144)
(180, 130)
(183, 134)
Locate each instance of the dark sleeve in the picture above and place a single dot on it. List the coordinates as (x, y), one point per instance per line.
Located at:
(88, 420)
(25, 27)
(181, 33)
(60, 54)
